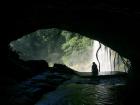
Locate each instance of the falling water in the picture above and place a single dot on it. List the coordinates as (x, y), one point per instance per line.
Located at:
(107, 59)
(103, 56)
(72, 49)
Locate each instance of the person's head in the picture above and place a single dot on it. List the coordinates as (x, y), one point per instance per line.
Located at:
(93, 63)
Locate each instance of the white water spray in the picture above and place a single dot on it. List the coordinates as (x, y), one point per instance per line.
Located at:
(104, 57)
(76, 52)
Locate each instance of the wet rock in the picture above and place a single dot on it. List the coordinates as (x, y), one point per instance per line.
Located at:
(63, 69)
(37, 66)
(29, 91)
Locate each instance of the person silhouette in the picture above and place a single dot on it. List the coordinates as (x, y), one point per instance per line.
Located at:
(94, 69)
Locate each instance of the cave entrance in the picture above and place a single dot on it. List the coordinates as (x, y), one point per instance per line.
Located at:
(72, 49)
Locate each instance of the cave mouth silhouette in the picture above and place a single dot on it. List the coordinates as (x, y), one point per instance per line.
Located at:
(72, 49)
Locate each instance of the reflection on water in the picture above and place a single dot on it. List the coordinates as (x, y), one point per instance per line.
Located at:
(79, 91)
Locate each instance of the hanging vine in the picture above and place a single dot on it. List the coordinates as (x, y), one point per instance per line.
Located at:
(115, 60)
(97, 55)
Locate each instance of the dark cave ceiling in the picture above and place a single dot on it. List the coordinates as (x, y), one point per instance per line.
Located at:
(114, 23)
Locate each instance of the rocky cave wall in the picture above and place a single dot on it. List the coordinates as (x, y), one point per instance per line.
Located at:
(112, 23)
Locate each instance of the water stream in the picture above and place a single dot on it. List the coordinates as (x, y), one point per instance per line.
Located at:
(85, 91)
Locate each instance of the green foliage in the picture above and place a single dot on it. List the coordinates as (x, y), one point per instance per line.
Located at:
(53, 45)
(66, 34)
(41, 44)
(77, 43)
(75, 46)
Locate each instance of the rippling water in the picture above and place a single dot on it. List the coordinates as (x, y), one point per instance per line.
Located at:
(79, 93)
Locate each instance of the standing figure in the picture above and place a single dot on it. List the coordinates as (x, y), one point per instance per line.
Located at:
(94, 69)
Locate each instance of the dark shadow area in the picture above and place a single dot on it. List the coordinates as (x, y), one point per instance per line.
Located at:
(27, 81)
(114, 23)
(95, 70)
(35, 78)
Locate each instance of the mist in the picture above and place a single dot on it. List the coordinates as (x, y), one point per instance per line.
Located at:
(72, 49)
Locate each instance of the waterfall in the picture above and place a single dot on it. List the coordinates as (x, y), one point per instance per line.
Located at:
(103, 56)
(72, 49)
(107, 58)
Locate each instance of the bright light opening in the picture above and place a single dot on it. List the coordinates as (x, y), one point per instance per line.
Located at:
(72, 49)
